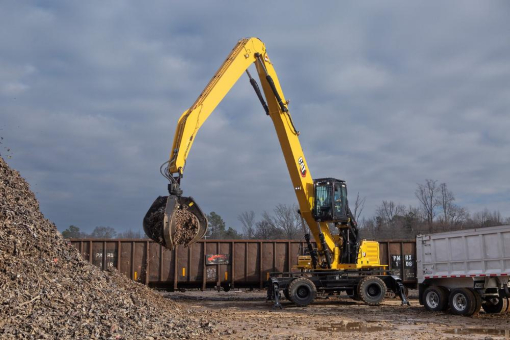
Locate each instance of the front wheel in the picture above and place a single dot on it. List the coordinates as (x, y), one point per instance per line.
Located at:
(435, 299)
(302, 291)
(371, 290)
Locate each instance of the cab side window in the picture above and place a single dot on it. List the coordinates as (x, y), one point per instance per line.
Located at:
(338, 199)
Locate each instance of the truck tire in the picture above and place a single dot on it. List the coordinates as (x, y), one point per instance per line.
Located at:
(478, 300)
(494, 305)
(435, 299)
(302, 291)
(462, 302)
(371, 290)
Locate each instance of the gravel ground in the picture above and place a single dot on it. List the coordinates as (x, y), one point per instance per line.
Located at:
(246, 315)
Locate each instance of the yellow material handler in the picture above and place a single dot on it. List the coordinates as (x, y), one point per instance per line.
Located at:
(334, 262)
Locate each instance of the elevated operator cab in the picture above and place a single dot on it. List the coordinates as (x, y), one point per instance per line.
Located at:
(330, 203)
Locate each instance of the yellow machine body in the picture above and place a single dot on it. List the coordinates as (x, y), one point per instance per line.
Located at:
(368, 257)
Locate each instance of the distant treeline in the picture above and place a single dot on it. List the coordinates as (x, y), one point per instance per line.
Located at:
(102, 232)
(436, 211)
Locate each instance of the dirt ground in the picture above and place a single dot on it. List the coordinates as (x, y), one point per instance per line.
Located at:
(242, 314)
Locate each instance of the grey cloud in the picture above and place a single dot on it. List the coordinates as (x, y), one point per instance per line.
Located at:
(385, 95)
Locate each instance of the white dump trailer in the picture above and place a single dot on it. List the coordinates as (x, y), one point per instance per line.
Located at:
(465, 270)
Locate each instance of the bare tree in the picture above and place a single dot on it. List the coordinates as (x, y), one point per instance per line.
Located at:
(487, 219)
(266, 228)
(130, 234)
(388, 210)
(247, 219)
(458, 216)
(445, 201)
(287, 219)
(359, 205)
(426, 194)
(368, 228)
(103, 232)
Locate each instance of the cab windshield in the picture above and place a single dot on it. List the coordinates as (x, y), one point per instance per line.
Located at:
(322, 198)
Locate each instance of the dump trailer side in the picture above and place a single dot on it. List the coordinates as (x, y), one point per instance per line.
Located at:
(465, 270)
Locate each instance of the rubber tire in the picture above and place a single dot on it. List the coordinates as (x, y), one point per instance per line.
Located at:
(469, 299)
(442, 296)
(302, 291)
(478, 300)
(495, 308)
(366, 293)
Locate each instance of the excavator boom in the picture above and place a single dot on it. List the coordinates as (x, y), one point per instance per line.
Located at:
(246, 52)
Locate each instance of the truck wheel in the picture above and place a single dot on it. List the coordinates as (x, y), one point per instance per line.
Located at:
(302, 291)
(478, 300)
(462, 301)
(496, 304)
(371, 290)
(435, 299)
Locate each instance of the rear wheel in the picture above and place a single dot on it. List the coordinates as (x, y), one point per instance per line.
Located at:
(496, 304)
(478, 301)
(435, 298)
(302, 291)
(371, 290)
(462, 301)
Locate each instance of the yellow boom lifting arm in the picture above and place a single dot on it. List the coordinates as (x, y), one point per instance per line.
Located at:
(244, 54)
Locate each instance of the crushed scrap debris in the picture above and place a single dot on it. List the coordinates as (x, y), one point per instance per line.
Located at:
(47, 291)
(186, 226)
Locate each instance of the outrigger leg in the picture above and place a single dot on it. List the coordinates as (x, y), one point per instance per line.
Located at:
(402, 293)
(276, 296)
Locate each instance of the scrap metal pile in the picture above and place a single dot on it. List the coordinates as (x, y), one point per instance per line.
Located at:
(47, 291)
(188, 226)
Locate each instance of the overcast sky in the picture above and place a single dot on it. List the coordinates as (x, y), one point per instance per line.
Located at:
(385, 94)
